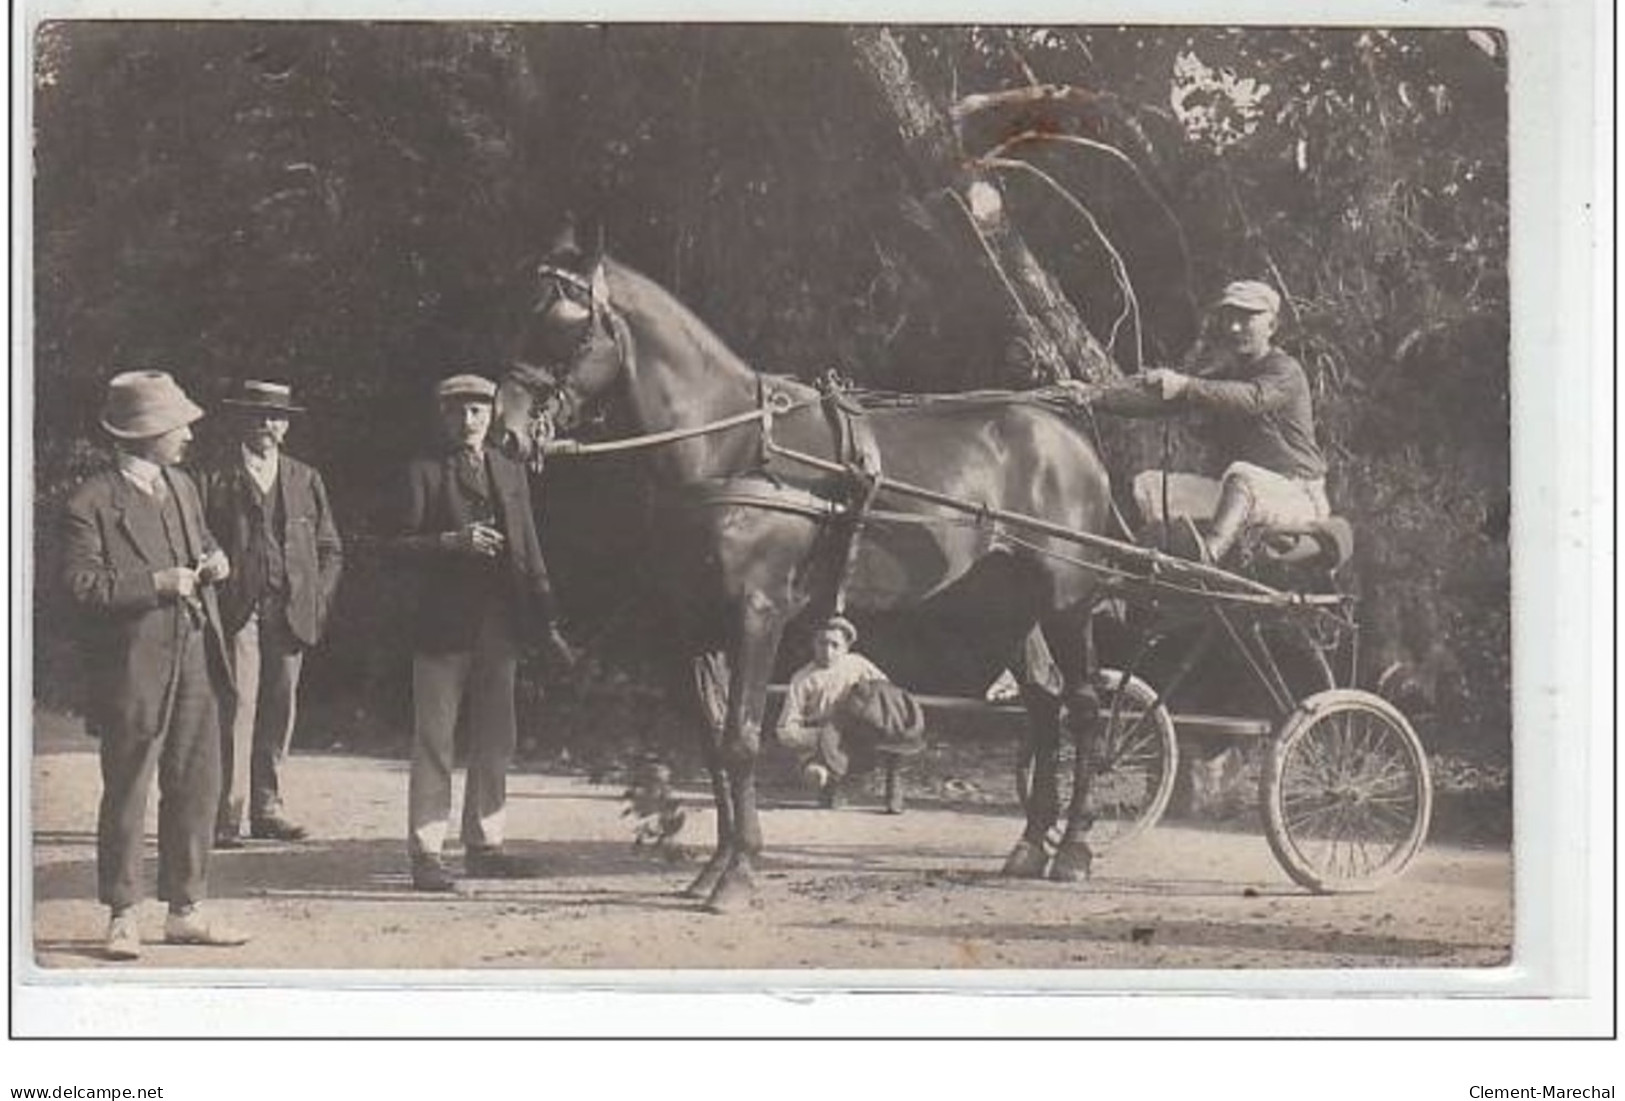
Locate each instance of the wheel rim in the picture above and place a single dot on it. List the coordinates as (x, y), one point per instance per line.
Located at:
(1352, 797)
(1128, 774)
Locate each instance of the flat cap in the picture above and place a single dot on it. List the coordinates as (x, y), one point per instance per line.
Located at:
(1250, 294)
(466, 388)
(841, 625)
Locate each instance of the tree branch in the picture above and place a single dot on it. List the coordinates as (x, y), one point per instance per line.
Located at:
(1066, 95)
(1131, 301)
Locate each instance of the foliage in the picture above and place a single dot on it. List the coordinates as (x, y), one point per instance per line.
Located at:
(351, 207)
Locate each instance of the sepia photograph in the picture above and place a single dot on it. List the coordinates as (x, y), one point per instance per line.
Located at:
(1011, 503)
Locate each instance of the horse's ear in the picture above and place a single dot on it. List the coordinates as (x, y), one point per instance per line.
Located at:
(600, 280)
(564, 241)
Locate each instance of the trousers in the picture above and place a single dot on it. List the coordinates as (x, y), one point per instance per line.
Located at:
(1278, 502)
(266, 660)
(477, 687)
(185, 755)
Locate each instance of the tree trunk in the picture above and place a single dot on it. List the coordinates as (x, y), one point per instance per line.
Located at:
(1049, 337)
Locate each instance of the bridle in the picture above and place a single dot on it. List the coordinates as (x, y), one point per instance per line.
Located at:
(556, 396)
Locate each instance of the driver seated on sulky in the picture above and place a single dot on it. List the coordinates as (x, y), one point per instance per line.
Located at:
(1258, 417)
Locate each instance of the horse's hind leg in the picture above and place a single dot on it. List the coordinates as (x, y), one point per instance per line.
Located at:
(710, 672)
(1030, 857)
(1072, 641)
(761, 627)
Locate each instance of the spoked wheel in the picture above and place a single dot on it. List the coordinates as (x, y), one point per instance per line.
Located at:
(1346, 792)
(1137, 758)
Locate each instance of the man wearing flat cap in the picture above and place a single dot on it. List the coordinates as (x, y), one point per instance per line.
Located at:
(810, 721)
(1260, 418)
(141, 567)
(272, 515)
(468, 525)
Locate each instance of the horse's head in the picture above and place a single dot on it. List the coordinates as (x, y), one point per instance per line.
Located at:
(567, 353)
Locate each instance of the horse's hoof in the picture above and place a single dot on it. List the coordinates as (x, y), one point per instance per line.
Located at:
(734, 891)
(704, 883)
(1026, 861)
(730, 897)
(1072, 864)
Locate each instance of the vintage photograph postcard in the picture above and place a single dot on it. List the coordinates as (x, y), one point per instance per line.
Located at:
(981, 502)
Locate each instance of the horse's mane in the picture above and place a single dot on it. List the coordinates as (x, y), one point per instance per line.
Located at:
(636, 294)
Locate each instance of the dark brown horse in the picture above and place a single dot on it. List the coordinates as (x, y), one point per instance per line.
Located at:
(745, 539)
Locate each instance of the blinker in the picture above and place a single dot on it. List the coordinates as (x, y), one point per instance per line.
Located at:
(567, 311)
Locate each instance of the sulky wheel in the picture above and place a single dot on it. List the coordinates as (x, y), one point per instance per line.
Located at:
(1346, 793)
(1137, 757)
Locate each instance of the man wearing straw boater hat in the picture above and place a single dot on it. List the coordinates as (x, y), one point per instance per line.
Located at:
(482, 588)
(1260, 420)
(272, 515)
(141, 567)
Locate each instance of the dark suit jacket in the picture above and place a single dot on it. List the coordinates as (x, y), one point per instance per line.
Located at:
(131, 636)
(455, 587)
(312, 552)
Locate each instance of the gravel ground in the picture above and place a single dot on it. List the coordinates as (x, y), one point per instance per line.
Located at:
(847, 889)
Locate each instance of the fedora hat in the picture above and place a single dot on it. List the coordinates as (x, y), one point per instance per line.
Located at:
(144, 404)
(255, 395)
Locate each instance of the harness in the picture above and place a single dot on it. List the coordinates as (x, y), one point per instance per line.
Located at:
(858, 466)
(857, 450)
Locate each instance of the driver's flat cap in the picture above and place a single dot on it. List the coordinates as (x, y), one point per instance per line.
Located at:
(1251, 295)
(466, 388)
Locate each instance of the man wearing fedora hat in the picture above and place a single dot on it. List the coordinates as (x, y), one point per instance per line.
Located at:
(141, 567)
(468, 525)
(1260, 419)
(272, 515)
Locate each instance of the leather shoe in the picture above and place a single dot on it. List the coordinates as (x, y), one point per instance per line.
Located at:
(833, 796)
(276, 829)
(429, 874)
(496, 864)
(123, 937)
(231, 839)
(193, 927)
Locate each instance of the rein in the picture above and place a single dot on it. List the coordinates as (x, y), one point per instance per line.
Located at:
(776, 405)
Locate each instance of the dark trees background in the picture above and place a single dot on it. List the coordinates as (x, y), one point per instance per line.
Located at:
(350, 208)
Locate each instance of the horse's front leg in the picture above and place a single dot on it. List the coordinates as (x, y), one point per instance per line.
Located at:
(760, 628)
(1073, 856)
(710, 673)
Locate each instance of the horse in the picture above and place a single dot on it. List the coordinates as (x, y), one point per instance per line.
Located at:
(745, 540)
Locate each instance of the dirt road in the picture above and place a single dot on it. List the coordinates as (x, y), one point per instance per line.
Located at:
(839, 889)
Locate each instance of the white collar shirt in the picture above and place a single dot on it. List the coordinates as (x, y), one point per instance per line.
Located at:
(144, 474)
(261, 468)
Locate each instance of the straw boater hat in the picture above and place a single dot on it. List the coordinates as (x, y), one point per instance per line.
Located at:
(256, 396)
(466, 388)
(1251, 295)
(144, 404)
